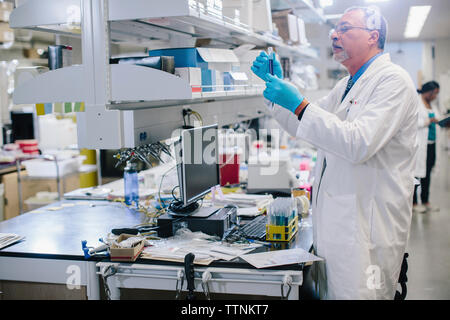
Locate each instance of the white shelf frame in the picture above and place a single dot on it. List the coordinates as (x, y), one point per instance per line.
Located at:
(116, 95)
(274, 283)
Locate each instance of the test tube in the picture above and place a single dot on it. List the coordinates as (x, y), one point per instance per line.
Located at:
(270, 53)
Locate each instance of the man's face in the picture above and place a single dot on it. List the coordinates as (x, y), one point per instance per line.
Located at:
(351, 39)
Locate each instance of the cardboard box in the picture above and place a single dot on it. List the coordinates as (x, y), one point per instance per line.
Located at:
(6, 33)
(287, 26)
(7, 6)
(4, 15)
(262, 18)
(302, 32)
(244, 9)
(126, 254)
(192, 75)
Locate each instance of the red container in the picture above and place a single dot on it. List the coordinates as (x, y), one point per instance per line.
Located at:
(229, 169)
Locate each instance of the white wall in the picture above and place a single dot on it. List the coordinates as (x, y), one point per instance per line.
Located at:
(442, 54)
(408, 55)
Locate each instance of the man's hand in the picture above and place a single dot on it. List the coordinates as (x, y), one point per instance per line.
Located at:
(261, 66)
(282, 93)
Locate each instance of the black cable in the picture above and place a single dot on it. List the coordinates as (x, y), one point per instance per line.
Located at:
(177, 199)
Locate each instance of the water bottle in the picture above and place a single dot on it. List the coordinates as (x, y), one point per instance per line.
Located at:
(131, 186)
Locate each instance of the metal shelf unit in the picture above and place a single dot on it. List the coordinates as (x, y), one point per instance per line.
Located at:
(118, 97)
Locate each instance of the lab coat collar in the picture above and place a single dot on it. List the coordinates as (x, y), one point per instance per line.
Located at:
(373, 68)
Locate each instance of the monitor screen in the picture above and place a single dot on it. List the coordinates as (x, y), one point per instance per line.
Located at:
(199, 167)
(22, 125)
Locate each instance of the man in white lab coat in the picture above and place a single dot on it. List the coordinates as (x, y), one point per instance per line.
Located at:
(365, 130)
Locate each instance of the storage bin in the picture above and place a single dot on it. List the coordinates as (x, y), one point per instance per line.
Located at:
(47, 168)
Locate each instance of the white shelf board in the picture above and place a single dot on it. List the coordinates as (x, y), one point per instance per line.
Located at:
(35, 13)
(60, 85)
(128, 83)
(304, 8)
(233, 96)
(146, 20)
(132, 83)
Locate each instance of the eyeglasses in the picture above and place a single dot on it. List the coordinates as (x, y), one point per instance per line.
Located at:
(340, 29)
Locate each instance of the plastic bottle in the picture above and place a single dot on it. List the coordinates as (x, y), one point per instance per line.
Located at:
(131, 186)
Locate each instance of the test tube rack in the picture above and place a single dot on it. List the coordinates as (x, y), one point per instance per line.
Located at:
(282, 233)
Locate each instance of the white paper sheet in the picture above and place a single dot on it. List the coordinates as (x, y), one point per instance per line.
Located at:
(279, 258)
(7, 239)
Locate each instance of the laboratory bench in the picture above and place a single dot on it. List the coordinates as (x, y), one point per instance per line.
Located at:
(50, 264)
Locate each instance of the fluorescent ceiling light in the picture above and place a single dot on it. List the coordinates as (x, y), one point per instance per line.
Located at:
(326, 3)
(375, 1)
(416, 19)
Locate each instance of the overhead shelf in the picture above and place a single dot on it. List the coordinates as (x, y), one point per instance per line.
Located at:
(304, 8)
(146, 20)
(239, 92)
(128, 83)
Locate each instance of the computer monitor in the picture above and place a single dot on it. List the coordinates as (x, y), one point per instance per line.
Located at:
(198, 167)
(23, 125)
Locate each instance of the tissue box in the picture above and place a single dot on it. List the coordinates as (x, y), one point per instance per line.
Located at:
(192, 75)
(126, 254)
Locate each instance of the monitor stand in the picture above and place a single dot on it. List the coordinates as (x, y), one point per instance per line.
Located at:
(177, 208)
(194, 212)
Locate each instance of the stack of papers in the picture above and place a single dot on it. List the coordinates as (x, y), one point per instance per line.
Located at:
(7, 239)
(279, 258)
(205, 249)
(91, 193)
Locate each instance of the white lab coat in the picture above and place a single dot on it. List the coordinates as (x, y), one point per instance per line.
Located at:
(422, 139)
(362, 210)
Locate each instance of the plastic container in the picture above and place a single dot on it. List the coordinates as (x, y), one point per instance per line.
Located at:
(229, 169)
(131, 184)
(47, 168)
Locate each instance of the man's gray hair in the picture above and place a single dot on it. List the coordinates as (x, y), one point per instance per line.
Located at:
(374, 21)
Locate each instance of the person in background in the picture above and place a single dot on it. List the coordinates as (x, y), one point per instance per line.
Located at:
(426, 138)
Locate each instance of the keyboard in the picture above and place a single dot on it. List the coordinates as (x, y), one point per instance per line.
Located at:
(255, 229)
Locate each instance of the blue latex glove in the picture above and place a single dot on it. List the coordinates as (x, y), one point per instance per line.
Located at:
(261, 66)
(282, 93)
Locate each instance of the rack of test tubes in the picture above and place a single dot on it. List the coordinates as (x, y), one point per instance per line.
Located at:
(282, 220)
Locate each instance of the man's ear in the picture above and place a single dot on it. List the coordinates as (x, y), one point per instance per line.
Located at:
(374, 37)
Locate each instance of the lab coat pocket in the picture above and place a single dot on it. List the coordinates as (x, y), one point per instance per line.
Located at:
(339, 219)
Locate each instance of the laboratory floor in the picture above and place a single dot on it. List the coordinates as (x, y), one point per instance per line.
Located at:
(429, 243)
